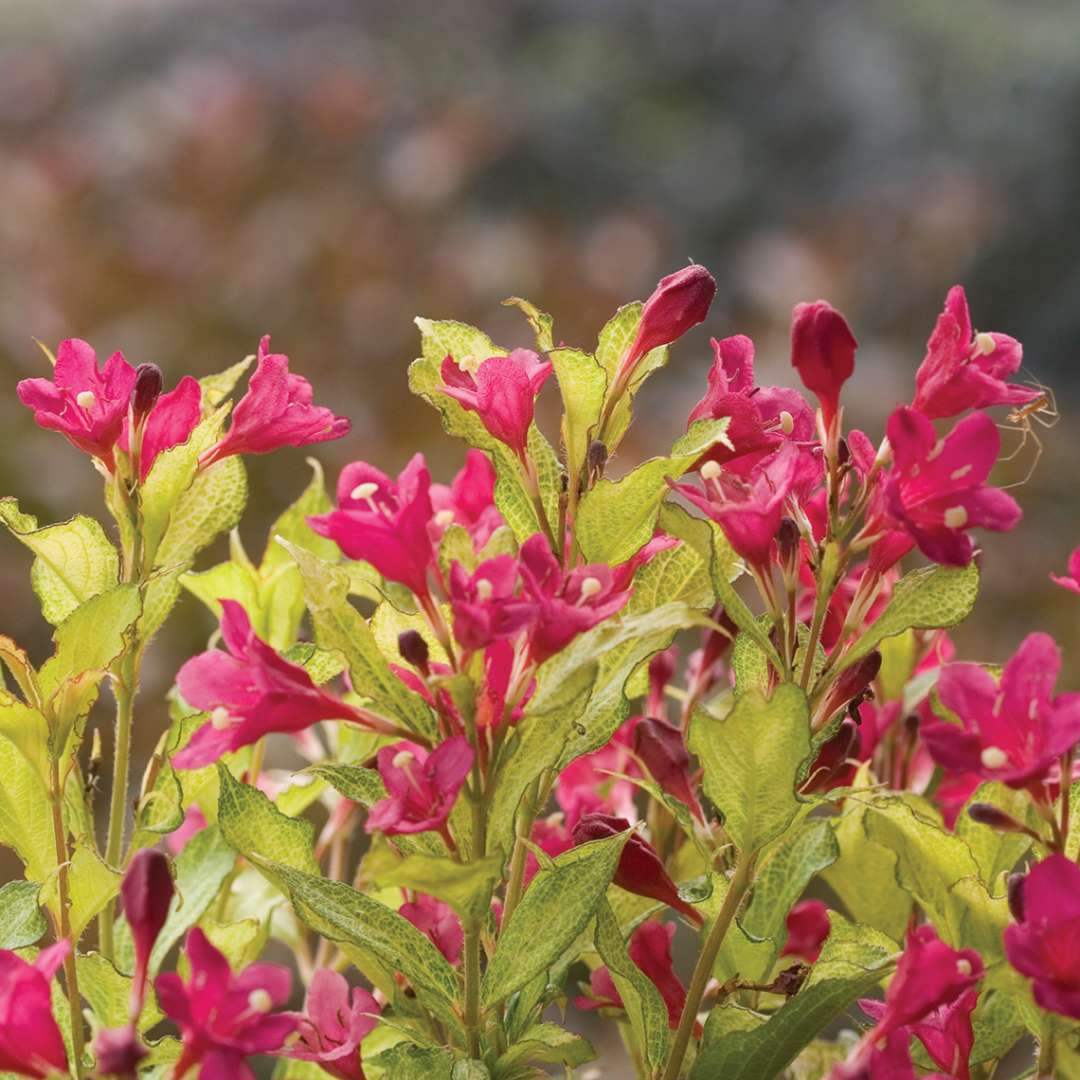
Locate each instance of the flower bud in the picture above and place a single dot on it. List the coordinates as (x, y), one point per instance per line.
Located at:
(661, 670)
(413, 649)
(118, 1052)
(787, 543)
(679, 302)
(988, 814)
(595, 459)
(147, 891)
(1015, 890)
(661, 747)
(823, 352)
(148, 384)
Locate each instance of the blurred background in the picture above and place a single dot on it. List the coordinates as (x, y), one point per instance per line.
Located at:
(179, 177)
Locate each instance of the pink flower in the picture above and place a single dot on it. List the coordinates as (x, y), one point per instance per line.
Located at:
(422, 786)
(749, 511)
(486, 604)
(169, 422)
(963, 370)
(83, 403)
(640, 870)
(250, 691)
(383, 522)
(1072, 582)
(276, 411)
(1013, 731)
(1046, 945)
(937, 490)
(333, 1024)
(679, 302)
(807, 929)
(502, 393)
(223, 1018)
(438, 921)
(568, 604)
(469, 501)
(30, 1041)
(662, 749)
(194, 822)
(760, 417)
(823, 353)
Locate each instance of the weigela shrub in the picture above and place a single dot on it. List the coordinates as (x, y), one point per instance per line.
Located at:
(540, 719)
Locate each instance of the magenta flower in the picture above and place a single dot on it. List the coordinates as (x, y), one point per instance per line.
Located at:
(640, 870)
(1045, 946)
(422, 786)
(568, 604)
(170, 421)
(469, 500)
(749, 511)
(760, 417)
(276, 411)
(486, 604)
(502, 393)
(823, 353)
(438, 922)
(223, 1018)
(333, 1024)
(383, 522)
(1072, 582)
(30, 1041)
(963, 370)
(937, 489)
(679, 302)
(1012, 731)
(85, 404)
(662, 750)
(807, 928)
(250, 691)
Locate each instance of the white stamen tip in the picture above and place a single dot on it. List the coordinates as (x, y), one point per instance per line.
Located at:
(260, 1001)
(483, 589)
(444, 519)
(402, 759)
(985, 343)
(710, 470)
(220, 718)
(993, 757)
(959, 474)
(364, 491)
(963, 966)
(85, 399)
(590, 587)
(787, 422)
(936, 452)
(956, 517)
(469, 364)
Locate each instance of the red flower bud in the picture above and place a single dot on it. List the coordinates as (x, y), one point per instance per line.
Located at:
(1015, 891)
(988, 814)
(679, 302)
(640, 869)
(661, 747)
(147, 891)
(148, 384)
(823, 352)
(413, 649)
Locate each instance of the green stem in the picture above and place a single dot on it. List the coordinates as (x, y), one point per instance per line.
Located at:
(1047, 1056)
(523, 832)
(740, 883)
(472, 985)
(71, 978)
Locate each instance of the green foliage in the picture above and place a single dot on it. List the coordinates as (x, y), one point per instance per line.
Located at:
(466, 887)
(21, 921)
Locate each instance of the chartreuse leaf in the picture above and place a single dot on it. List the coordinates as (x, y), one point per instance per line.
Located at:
(547, 1044)
(92, 885)
(617, 517)
(927, 598)
(74, 560)
(555, 909)
(216, 388)
(466, 887)
(362, 785)
(739, 1045)
(751, 761)
(25, 817)
(677, 574)
(109, 993)
(240, 942)
(997, 852)
(407, 1061)
(342, 914)
(26, 729)
(21, 921)
(341, 628)
(253, 825)
(582, 382)
(542, 323)
(644, 1006)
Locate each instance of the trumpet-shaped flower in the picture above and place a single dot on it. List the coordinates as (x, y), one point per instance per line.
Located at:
(438, 921)
(276, 411)
(502, 393)
(662, 749)
(422, 785)
(225, 1017)
(485, 604)
(937, 489)
(87, 405)
(469, 500)
(1012, 731)
(30, 1041)
(383, 522)
(807, 928)
(250, 691)
(1072, 580)
(823, 352)
(963, 370)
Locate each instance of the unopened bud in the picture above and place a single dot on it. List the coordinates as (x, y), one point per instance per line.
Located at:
(857, 678)
(988, 814)
(148, 384)
(787, 540)
(1015, 890)
(413, 649)
(823, 352)
(843, 452)
(596, 456)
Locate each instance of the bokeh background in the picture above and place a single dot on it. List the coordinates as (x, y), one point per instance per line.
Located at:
(179, 177)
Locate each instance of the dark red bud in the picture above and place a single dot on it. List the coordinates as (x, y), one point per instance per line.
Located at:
(988, 814)
(413, 649)
(857, 678)
(146, 891)
(118, 1052)
(596, 458)
(661, 747)
(1015, 886)
(787, 541)
(843, 452)
(148, 384)
(640, 870)
(823, 352)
